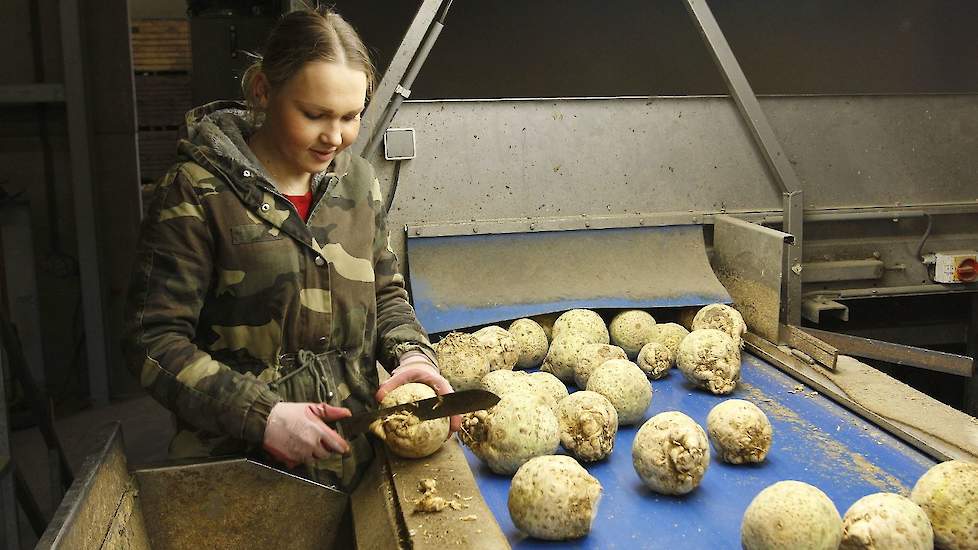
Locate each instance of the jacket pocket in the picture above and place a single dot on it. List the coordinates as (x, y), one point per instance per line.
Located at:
(253, 233)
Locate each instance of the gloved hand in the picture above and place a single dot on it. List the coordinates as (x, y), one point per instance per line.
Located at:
(415, 366)
(296, 433)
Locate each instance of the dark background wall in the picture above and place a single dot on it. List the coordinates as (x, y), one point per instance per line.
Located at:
(544, 48)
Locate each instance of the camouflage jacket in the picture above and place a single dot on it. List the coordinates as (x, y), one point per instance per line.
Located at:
(230, 284)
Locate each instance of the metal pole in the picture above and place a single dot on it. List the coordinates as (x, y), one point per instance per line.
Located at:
(404, 89)
(791, 290)
(85, 210)
(384, 94)
(777, 162)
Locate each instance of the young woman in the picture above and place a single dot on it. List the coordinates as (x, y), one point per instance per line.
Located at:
(265, 289)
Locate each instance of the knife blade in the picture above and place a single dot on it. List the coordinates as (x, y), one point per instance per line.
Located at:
(459, 402)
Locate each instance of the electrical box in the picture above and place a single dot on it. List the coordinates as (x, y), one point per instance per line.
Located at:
(399, 144)
(954, 267)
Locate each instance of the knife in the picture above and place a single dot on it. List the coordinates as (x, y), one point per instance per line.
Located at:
(426, 409)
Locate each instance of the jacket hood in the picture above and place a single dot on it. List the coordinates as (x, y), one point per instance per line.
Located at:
(219, 132)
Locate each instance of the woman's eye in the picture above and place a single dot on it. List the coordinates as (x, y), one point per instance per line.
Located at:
(350, 118)
(312, 116)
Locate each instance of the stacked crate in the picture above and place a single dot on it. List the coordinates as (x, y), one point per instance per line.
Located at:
(162, 62)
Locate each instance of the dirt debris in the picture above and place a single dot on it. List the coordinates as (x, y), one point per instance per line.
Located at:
(430, 502)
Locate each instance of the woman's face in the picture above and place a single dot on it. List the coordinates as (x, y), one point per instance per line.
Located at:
(314, 115)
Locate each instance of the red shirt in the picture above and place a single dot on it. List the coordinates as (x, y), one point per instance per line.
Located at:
(301, 203)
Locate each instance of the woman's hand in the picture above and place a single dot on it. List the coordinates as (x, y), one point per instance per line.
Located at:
(297, 433)
(416, 367)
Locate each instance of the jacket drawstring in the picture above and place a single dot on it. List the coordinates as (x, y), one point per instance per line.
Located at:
(317, 368)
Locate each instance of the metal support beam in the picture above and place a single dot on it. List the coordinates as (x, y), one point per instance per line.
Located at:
(777, 162)
(84, 198)
(384, 94)
(895, 353)
(743, 96)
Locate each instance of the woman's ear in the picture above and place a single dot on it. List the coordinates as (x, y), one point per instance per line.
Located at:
(262, 90)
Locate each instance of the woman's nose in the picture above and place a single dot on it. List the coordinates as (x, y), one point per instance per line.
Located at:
(332, 136)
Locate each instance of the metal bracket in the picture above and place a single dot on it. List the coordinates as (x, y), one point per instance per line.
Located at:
(959, 365)
(813, 348)
(402, 91)
(811, 376)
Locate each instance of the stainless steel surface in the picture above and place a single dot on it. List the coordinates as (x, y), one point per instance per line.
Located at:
(84, 203)
(384, 94)
(818, 351)
(842, 270)
(519, 161)
(748, 259)
(809, 375)
(236, 504)
(459, 402)
(31, 93)
(909, 356)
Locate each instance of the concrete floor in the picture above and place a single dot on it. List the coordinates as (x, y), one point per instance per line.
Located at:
(146, 431)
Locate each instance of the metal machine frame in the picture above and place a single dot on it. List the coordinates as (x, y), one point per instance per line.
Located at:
(792, 303)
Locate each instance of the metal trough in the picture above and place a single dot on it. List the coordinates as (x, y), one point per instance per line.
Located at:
(234, 503)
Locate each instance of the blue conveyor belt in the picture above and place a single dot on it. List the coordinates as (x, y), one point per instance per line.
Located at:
(815, 441)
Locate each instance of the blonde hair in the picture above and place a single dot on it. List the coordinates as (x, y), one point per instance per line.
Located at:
(312, 34)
